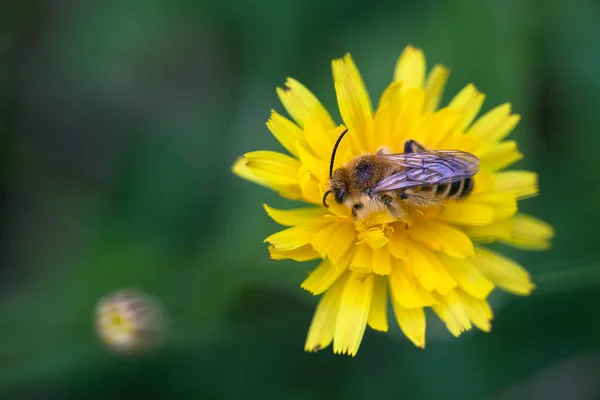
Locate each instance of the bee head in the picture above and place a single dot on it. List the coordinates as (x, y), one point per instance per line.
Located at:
(338, 186)
(339, 193)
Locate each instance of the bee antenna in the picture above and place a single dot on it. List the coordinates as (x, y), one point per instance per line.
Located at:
(325, 198)
(337, 143)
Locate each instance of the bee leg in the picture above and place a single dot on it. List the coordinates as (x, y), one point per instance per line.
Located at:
(388, 201)
(355, 208)
(384, 150)
(411, 146)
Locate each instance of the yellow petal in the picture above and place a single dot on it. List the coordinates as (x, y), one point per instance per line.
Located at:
(335, 240)
(412, 323)
(383, 123)
(363, 259)
(406, 290)
(302, 105)
(445, 282)
(293, 238)
(390, 94)
(400, 243)
(276, 168)
(298, 216)
(451, 310)
(382, 261)
(410, 68)
(285, 131)
(322, 277)
(312, 162)
(304, 253)
(468, 277)
(322, 240)
(462, 142)
(374, 219)
(309, 185)
(375, 238)
(434, 88)
(419, 265)
(521, 231)
(344, 68)
(522, 183)
(353, 101)
(503, 203)
(478, 311)
(488, 126)
(355, 109)
(467, 213)
(442, 237)
(353, 314)
(529, 233)
(422, 129)
(241, 170)
(378, 313)
(441, 126)
(505, 273)
(505, 209)
(483, 182)
(489, 233)
(507, 127)
(468, 102)
(320, 140)
(495, 125)
(500, 156)
(340, 210)
(409, 115)
(320, 333)
(290, 191)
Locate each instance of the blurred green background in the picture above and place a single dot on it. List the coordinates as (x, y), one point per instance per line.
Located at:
(119, 121)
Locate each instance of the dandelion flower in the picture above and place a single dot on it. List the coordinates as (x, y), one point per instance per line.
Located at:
(129, 321)
(434, 259)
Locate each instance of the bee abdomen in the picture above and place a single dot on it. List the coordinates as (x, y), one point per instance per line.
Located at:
(467, 187)
(455, 190)
(461, 189)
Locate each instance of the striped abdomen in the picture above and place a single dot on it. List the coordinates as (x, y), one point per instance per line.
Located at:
(456, 190)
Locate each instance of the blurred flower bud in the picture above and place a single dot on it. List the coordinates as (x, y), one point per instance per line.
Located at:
(129, 321)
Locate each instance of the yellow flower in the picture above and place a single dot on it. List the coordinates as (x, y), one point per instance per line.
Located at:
(433, 259)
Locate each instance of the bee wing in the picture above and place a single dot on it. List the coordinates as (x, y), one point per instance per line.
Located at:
(432, 167)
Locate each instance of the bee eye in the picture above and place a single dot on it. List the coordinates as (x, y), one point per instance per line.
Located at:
(339, 196)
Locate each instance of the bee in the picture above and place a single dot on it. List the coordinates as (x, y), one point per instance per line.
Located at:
(417, 179)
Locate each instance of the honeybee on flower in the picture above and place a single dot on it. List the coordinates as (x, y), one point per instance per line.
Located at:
(415, 180)
(417, 190)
